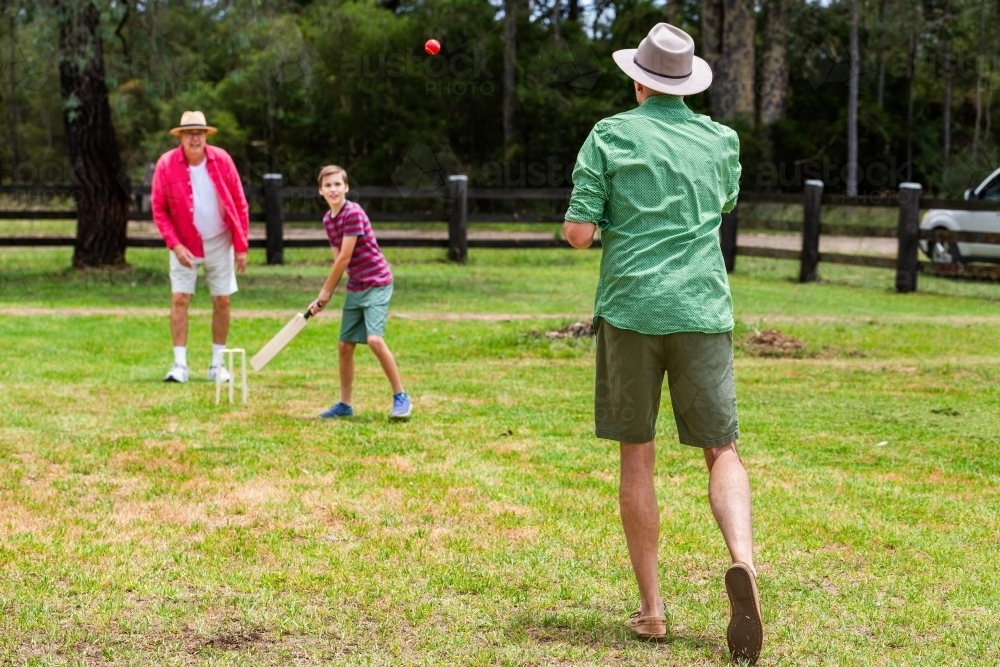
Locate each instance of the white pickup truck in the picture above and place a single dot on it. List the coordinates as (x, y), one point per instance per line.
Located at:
(941, 252)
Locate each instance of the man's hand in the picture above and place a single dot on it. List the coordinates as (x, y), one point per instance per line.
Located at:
(241, 262)
(184, 256)
(320, 303)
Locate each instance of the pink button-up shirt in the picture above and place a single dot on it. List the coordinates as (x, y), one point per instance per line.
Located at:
(173, 199)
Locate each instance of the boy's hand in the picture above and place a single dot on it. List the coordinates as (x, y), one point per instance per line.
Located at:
(241, 262)
(320, 303)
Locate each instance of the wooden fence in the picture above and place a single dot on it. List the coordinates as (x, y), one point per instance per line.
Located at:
(451, 204)
(906, 263)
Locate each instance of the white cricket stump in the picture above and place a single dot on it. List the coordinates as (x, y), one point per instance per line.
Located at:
(228, 354)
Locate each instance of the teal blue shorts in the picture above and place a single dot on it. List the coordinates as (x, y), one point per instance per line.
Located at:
(365, 313)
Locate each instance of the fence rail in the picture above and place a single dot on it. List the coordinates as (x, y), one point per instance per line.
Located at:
(451, 202)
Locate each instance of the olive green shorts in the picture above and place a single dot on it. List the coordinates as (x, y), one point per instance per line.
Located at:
(699, 370)
(365, 313)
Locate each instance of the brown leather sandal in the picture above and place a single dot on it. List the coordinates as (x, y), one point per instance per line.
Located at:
(746, 627)
(649, 627)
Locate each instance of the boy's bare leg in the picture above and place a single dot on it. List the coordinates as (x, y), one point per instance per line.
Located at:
(179, 318)
(641, 521)
(220, 319)
(729, 496)
(381, 350)
(346, 353)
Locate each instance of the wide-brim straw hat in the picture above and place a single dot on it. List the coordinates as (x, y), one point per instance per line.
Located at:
(665, 62)
(193, 120)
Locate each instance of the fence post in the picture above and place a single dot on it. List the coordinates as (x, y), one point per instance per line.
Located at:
(458, 237)
(811, 218)
(908, 232)
(274, 217)
(146, 200)
(727, 239)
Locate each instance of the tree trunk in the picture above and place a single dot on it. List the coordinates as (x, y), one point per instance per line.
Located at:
(573, 10)
(711, 40)
(509, 74)
(674, 11)
(727, 32)
(852, 106)
(557, 20)
(880, 94)
(738, 59)
(15, 119)
(911, 53)
(979, 77)
(987, 111)
(103, 203)
(946, 104)
(774, 96)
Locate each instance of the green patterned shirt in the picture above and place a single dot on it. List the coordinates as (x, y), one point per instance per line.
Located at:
(656, 180)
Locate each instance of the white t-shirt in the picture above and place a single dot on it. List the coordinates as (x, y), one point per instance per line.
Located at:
(207, 212)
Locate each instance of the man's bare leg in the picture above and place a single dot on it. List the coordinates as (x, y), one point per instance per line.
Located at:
(381, 351)
(729, 496)
(220, 319)
(346, 366)
(179, 318)
(641, 521)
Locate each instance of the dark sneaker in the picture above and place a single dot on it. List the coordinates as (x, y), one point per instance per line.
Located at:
(401, 406)
(746, 627)
(338, 410)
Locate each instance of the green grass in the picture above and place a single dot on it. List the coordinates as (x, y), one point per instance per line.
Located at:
(142, 524)
(867, 216)
(494, 281)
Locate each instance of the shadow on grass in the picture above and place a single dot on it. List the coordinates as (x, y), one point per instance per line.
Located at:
(593, 628)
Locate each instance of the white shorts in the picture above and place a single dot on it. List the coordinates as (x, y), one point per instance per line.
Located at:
(219, 272)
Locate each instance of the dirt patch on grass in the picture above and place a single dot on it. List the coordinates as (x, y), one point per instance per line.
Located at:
(773, 343)
(574, 330)
(236, 640)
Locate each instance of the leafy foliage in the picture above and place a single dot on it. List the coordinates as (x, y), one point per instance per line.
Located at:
(294, 85)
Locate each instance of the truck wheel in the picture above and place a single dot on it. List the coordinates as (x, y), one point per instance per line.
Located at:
(944, 252)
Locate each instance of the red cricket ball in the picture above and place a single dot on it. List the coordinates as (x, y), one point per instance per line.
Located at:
(432, 47)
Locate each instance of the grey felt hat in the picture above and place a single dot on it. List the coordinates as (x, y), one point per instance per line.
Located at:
(665, 62)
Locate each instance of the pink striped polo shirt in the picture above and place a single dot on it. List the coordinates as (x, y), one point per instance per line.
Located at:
(368, 266)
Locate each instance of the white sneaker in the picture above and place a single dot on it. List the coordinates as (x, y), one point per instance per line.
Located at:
(177, 374)
(218, 374)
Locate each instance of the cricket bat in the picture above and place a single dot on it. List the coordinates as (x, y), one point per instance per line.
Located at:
(280, 340)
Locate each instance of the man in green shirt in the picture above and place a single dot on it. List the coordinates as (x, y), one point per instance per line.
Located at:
(655, 180)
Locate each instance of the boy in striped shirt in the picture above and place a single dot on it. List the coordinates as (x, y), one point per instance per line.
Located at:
(369, 288)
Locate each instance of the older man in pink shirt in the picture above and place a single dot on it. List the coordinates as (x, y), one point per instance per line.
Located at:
(202, 214)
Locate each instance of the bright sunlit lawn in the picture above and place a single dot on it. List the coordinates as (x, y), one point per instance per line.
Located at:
(141, 524)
